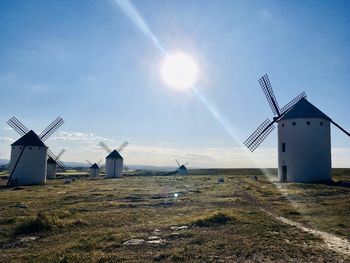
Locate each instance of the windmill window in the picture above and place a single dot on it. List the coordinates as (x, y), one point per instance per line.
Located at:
(294, 123)
(283, 147)
(308, 123)
(20, 148)
(30, 148)
(282, 124)
(321, 123)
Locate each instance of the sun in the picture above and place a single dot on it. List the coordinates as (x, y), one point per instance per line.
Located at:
(179, 71)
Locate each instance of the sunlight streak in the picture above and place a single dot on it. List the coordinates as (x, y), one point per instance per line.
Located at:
(138, 21)
(136, 18)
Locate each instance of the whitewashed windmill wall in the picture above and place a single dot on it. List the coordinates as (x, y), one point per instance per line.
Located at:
(182, 170)
(28, 160)
(29, 154)
(51, 168)
(52, 163)
(114, 161)
(304, 142)
(304, 145)
(94, 170)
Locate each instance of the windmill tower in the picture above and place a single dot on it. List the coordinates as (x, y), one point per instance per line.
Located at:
(114, 161)
(304, 141)
(29, 154)
(52, 162)
(94, 168)
(182, 170)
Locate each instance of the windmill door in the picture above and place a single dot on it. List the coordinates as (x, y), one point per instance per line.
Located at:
(284, 173)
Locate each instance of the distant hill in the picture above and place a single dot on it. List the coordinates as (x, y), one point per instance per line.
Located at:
(4, 161)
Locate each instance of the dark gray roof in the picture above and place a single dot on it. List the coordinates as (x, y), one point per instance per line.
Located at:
(29, 139)
(182, 167)
(304, 109)
(50, 160)
(94, 166)
(114, 155)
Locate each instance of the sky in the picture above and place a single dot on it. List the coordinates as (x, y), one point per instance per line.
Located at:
(97, 65)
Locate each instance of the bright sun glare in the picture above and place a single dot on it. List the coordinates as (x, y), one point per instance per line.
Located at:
(179, 71)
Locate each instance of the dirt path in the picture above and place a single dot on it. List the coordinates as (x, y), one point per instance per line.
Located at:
(340, 245)
(333, 242)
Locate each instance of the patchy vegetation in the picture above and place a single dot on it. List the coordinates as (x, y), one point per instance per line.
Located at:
(179, 219)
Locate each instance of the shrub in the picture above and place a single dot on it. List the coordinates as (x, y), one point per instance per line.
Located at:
(33, 225)
(212, 220)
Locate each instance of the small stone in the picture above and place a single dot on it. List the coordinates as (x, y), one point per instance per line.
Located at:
(153, 238)
(28, 239)
(221, 180)
(133, 242)
(176, 228)
(67, 181)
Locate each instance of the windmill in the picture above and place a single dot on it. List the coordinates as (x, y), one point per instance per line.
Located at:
(29, 153)
(53, 162)
(304, 143)
(114, 161)
(182, 170)
(94, 168)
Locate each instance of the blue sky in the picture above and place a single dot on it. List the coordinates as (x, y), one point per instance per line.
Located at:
(88, 62)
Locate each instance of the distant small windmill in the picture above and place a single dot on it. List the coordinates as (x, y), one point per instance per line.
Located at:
(29, 153)
(114, 161)
(182, 170)
(53, 162)
(94, 168)
(304, 143)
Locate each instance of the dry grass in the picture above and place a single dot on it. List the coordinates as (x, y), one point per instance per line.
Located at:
(89, 220)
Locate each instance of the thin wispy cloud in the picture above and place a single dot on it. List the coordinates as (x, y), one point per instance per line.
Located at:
(6, 139)
(79, 136)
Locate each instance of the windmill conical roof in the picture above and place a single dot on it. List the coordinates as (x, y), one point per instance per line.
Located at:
(51, 160)
(304, 109)
(114, 155)
(94, 166)
(29, 139)
(182, 167)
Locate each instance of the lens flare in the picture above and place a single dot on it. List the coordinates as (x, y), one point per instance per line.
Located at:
(179, 70)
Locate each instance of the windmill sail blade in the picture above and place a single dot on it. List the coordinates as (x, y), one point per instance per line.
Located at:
(99, 162)
(259, 135)
(122, 146)
(186, 164)
(15, 124)
(89, 162)
(268, 91)
(105, 147)
(293, 102)
(45, 134)
(60, 154)
(177, 162)
(60, 164)
(53, 156)
(340, 128)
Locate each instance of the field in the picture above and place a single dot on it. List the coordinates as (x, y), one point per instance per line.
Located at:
(246, 218)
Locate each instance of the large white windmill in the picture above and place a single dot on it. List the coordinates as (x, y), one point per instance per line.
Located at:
(182, 170)
(94, 170)
(52, 163)
(114, 161)
(304, 138)
(29, 154)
